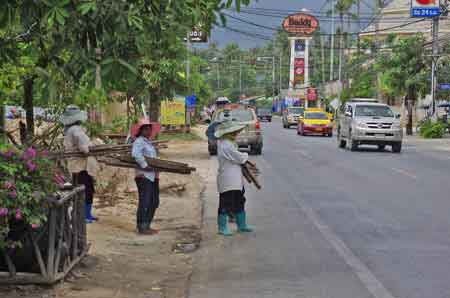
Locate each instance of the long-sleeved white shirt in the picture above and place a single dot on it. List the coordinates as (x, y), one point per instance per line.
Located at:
(143, 148)
(229, 176)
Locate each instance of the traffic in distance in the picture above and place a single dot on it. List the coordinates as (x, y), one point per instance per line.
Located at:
(358, 122)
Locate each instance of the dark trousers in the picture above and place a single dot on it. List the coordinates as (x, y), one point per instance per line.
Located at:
(83, 178)
(148, 202)
(231, 202)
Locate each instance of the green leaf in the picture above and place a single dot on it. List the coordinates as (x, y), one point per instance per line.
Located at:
(128, 66)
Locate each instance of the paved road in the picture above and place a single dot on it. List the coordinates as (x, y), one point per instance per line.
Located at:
(334, 223)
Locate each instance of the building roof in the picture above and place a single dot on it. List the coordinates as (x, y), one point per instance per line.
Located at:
(395, 18)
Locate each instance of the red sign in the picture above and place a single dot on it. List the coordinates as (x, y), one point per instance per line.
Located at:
(311, 94)
(301, 23)
(299, 70)
(426, 2)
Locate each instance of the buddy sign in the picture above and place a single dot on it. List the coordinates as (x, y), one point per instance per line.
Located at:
(300, 24)
(425, 8)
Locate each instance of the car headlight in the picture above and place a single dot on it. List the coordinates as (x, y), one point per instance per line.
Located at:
(361, 125)
(396, 125)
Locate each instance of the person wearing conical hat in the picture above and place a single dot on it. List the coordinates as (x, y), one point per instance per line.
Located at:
(147, 179)
(83, 169)
(230, 181)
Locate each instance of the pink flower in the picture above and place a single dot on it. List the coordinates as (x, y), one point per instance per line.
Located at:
(9, 154)
(3, 211)
(44, 153)
(19, 214)
(9, 185)
(31, 166)
(13, 194)
(34, 226)
(30, 153)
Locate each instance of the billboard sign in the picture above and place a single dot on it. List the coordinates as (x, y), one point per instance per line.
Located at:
(299, 71)
(445, 86)
(425, 8)
(173, 112)
(311, 94)
(300, 24)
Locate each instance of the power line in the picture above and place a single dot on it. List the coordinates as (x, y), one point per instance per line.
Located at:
(329, 34)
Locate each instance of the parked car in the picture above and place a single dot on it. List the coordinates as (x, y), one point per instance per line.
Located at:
(250, 138)
(264, 114)
(315, 122)
(291, 116)
(368, 123)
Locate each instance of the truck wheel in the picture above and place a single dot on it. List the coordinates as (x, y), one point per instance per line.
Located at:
(212, 152)
(397, 147)
(256, 149)
(381, 147)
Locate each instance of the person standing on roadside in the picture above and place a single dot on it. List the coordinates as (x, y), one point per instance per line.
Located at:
(83, 169)
(147, 179)
(230, 181)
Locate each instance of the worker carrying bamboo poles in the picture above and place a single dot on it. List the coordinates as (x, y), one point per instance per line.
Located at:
(147, 179)
(230, 180)
(83, 169)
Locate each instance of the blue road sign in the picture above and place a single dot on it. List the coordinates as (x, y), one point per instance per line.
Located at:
(425, 12)
(445, 86)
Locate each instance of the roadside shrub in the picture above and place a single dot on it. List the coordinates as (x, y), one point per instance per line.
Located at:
(432, 130)
(26, 179)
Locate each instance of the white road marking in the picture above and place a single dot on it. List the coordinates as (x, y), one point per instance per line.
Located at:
(373, 285)
(405, 173)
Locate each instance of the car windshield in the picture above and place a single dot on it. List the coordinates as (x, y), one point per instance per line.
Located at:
(316, 115)
(296, 111)
(236, 115)
(264, 111)
(373, 111)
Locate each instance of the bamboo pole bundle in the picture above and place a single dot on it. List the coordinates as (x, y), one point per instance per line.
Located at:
(159, 165)
(99, 150)
(250, 173)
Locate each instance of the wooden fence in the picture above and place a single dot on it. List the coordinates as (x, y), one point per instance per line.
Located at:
(56, 248)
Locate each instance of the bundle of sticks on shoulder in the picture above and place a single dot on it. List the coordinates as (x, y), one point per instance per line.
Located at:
(251, 173)
(120, 156)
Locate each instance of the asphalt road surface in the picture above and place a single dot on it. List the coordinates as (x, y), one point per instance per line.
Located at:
(334, 223)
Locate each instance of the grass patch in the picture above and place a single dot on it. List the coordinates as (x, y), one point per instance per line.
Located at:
(189, 136)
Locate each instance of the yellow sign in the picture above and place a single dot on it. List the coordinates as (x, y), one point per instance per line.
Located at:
(173, 113)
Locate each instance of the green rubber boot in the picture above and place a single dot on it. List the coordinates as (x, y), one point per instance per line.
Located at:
(222, 222)
(241, 221)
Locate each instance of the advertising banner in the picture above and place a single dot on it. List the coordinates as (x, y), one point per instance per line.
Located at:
(173, 113)
(311, 94)
(299, 70)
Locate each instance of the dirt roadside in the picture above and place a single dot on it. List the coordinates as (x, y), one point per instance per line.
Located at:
(122, 264)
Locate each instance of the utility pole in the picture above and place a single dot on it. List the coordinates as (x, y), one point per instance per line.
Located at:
(273, 77)
(240, 75)
(188, 75)
(332, 43)
(435, 58)
(281, 69)
(341, 54)
(358, 12)
(378, 7)
(322, 53)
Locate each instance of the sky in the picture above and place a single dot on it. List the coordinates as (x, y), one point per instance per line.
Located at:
(223, 36)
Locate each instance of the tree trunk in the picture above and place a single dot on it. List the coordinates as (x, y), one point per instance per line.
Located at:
(28, 104)
(154, 106)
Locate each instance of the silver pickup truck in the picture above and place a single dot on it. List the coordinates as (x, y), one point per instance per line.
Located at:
(369, 123)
